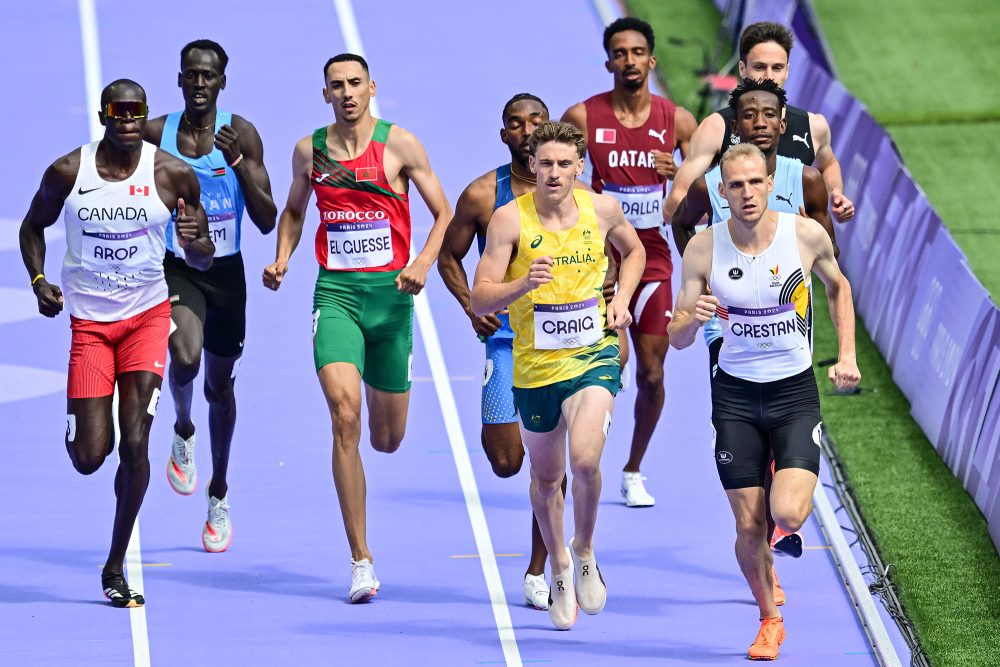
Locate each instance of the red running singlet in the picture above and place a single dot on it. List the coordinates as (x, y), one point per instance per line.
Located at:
(364, 224)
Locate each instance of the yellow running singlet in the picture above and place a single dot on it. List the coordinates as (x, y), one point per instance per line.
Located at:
(560, 327)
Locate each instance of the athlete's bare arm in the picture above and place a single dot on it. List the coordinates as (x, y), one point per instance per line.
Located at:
(816, 251)
(685, 126)
(814, 197)
(472, 214)
(622, 236)
(242, 139)
(829, 166)
(489, 291)
(695, 205)
(695, 304)
(178, 186)
(704, 144)
(418, 169)
(293, 216)
(577, 115)
(46, 205)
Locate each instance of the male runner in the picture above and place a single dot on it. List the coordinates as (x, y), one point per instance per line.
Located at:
(116, 197)
(759, 107)
(764, 49)
(208, 308)
(752, 270)
(631, 136)
(360, 168)
(500, 436)
(544, 258)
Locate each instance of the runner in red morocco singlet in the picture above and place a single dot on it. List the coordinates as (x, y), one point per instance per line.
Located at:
(116, 196)
(360, 168)
(631, 137)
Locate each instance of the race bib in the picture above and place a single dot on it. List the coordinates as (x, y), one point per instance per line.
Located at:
(566, 325)
(641, 204)
(110, 253)
(358, 245)
(221, 229)
(764, 329)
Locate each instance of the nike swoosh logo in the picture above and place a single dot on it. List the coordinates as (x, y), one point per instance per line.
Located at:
(157, 364)
(81, 191)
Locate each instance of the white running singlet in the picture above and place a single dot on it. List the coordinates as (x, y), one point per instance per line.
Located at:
(763, 305)
(113, 268)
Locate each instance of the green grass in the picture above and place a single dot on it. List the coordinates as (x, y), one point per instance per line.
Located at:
(695, 22)
(950, 164)
(924, 522)
(933, 83)
(916, 65)
(911, 59)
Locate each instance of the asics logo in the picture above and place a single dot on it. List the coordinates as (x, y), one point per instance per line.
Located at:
(537, 241)
(804, 138)
(661, 135)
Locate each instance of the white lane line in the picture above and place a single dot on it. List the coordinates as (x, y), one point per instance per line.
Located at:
(133, 556)
(91, 65)
(449, 411)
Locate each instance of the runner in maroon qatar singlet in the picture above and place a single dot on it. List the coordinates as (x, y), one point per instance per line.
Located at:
(631, 138)
(623, 167)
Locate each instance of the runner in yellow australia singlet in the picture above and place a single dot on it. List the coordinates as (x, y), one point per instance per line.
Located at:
(560, 328)
(544, 260)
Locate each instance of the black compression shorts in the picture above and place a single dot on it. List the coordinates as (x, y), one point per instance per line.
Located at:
(751, 418)
(217, 297)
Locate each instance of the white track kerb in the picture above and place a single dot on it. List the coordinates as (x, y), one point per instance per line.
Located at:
(133, 557)
(449, 411)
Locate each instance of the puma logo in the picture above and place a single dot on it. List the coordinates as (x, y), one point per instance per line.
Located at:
(804, 138)
(787, 200)
(661, 135)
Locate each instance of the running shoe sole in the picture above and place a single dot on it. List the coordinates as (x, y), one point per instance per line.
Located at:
(364, 595)
(789, 545)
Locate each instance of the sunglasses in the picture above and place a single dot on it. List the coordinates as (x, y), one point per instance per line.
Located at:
(123, 110)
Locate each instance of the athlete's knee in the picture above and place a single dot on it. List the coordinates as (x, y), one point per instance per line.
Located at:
(346, 424)
(505, 464)
(751, 527)
(386, 443)
(649, 379)
(546, 482)
(185, 362)
(506, 460)
(220, 394)
(86, 460)
(791, 515)
(585, 469)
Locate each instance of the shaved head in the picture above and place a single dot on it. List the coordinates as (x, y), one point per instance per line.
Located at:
(120, 86)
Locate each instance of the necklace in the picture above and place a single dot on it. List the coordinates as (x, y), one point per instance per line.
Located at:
(529, 181)
(195, 127)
